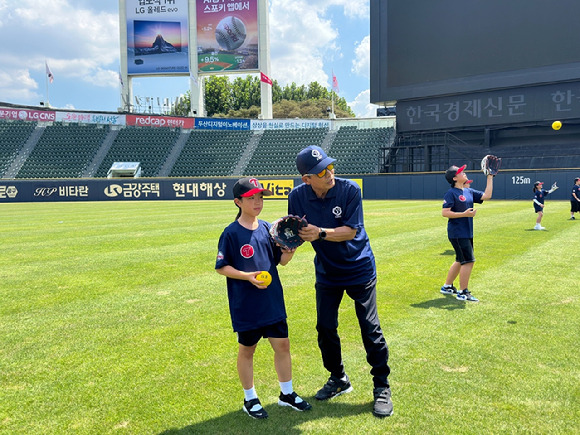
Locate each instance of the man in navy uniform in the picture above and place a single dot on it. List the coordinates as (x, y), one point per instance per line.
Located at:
(344, 262)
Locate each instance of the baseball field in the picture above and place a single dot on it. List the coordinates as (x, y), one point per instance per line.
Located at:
(113, 321)
(218, 62)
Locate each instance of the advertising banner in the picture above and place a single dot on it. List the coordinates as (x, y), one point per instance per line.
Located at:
(27, 115)
(221, 124)
(512, 185)
(159, 121)
(127, 189)
(227, 36)
(90, 118)
(281, 124)
(157, 37)
(502, 106)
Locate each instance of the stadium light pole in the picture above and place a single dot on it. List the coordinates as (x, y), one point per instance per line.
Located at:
(126, 80)
(197, 106)
(264, 59)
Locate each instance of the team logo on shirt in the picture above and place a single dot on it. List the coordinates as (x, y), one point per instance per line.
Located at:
(462, 198)
(337, 212)
(247, 251)
(220, 255)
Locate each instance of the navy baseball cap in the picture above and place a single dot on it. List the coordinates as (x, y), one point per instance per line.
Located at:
(312, 160)
(453, 171)
(249, 186)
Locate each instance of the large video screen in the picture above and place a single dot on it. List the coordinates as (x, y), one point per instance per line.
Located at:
(157, 37)
(425, 48)
(227, 36)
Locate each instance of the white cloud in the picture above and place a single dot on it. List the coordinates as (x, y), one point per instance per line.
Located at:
(361, 62)
(77, 43)
(303, 49)
(355, 8)
(17, 84)
(299, 46)
(362, 106)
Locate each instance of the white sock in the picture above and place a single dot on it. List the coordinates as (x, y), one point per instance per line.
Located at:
(447, 285)
(250, 394)
(286, 387)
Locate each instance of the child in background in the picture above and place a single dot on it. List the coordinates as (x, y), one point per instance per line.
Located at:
(575, 198)
(539, 196)
(245, 249)
(458, 209)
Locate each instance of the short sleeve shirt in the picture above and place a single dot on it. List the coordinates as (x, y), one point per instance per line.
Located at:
(575, 190)
(351, 262)
(459, 200)
(251, 251)
(539, 195)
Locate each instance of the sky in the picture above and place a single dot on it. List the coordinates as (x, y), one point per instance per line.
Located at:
(79, 40)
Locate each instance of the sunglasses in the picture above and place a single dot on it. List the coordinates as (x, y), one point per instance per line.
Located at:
(323, 172)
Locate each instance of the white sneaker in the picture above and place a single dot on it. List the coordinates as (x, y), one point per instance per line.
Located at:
(539, 227)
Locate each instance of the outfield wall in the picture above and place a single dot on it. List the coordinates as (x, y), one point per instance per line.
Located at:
(515, 185)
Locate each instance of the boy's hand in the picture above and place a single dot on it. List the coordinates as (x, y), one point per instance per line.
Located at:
(470, 212)
(254, 280)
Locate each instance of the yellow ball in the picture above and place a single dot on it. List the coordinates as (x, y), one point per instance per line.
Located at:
(557, 125)
(265, 277)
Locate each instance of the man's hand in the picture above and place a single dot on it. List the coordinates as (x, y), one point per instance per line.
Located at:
(309, 233)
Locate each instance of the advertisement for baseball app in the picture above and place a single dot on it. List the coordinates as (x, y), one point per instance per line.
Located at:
(227, 36)
(157, 37)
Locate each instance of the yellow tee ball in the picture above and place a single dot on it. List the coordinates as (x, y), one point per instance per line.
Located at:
(265, 277)
(556, 125)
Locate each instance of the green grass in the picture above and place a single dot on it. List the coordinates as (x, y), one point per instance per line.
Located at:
(112, 320)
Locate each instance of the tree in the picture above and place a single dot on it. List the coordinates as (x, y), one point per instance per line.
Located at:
(241, 99)
(245, 92)
(217, 95)
(183, 105)
(316, 92)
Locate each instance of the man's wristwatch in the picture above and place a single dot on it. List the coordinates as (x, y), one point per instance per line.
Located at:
(322, 234)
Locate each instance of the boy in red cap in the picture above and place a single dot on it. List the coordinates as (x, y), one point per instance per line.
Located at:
(458, 209)
(257, 310)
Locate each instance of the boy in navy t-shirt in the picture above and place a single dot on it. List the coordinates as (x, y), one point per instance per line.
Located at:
(575, 198)
(257, 310)
(539, 197)
(458, 208)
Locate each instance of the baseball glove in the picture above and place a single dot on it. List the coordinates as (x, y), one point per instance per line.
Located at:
(284, 231)
(490, 165)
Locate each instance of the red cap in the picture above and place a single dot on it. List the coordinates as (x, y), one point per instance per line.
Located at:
(249, 186)
(453, 171)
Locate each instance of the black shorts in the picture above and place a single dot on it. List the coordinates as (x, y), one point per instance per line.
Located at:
(574, 206)
(276, 330)
(463, 250)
